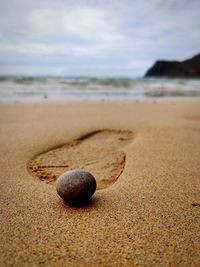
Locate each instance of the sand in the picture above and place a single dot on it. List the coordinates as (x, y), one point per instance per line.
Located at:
(146, 158)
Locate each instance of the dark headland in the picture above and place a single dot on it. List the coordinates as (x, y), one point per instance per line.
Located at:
(189, 68)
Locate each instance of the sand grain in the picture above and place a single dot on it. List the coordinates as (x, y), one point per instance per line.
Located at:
(145, 218)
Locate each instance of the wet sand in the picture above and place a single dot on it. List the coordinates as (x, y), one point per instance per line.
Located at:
(146, 158)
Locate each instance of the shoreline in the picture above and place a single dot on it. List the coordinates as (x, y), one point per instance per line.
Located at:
(78, 89)
(146, 217)
(143, 100)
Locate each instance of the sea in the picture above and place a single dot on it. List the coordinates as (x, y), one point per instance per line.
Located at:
(50, 89)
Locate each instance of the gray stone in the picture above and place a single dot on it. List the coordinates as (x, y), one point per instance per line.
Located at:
(76, 186)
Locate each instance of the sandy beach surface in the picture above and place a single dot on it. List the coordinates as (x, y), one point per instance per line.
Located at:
(146, 158)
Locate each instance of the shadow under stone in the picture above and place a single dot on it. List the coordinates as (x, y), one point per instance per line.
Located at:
(78, 204)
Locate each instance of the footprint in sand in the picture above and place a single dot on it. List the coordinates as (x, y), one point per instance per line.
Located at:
(99, 152)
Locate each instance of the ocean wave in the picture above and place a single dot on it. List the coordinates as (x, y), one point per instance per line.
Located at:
(22, 88)
(81, 82)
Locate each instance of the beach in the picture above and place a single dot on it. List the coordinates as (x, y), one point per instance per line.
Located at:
(146, 158)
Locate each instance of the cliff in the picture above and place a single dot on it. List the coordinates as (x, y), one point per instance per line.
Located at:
(189, 68)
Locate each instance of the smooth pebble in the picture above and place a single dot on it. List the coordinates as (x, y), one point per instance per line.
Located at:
(76, 186)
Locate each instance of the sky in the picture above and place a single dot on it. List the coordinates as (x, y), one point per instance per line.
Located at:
(99, 38)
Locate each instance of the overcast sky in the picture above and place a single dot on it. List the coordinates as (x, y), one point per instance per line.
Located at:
(95, 38)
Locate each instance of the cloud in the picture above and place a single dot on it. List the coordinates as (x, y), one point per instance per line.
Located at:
(81, 31)
(74, 31)
(101, 36)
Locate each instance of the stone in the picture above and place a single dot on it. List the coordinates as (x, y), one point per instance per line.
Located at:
(76, 186)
